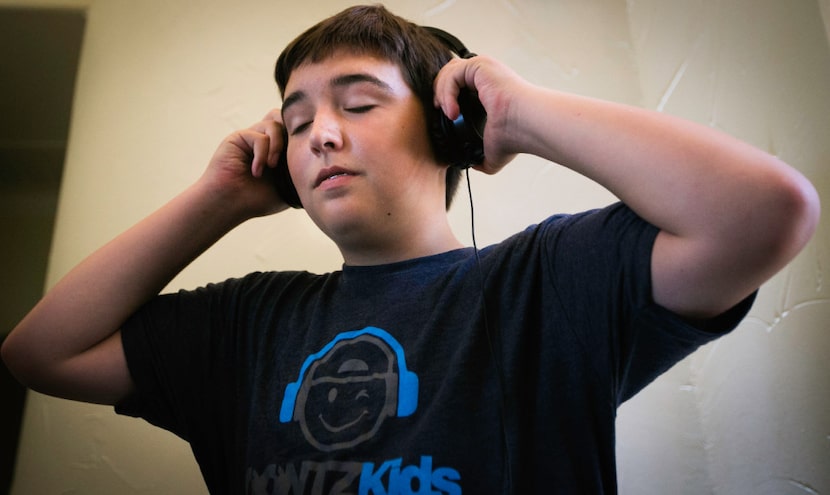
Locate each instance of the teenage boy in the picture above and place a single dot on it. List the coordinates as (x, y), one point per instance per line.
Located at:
(420, 367)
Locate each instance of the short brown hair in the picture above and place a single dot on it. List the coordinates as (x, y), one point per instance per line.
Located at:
(373, 30)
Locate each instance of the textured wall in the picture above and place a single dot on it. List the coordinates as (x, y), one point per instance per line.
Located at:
(759, 70)
(161, 82)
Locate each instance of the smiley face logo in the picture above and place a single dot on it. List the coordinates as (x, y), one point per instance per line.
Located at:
(346, 391)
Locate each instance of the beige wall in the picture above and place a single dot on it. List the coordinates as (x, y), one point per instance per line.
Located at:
(161, 82)
(759, 402)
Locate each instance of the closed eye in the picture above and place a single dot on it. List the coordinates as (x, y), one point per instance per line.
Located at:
(356, 110)
(300, 128)
(360, 109)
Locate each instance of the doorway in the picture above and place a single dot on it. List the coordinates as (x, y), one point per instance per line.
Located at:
(39, 54)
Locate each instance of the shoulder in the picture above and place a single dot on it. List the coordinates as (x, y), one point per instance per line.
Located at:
(612, 229)
(260, 281)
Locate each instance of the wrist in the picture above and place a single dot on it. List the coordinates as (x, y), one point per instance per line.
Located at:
(215, 205)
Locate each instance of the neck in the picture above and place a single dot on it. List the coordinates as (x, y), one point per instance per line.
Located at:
(427, 239)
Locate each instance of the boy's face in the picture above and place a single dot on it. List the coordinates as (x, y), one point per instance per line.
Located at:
(358, 150)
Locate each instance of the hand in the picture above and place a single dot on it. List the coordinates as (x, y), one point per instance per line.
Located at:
(241, 169)
(496, 86)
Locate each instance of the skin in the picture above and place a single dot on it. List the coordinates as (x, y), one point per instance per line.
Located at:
(714, 199)
(354, 116)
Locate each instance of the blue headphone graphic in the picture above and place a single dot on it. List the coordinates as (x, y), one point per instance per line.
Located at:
(407, 380)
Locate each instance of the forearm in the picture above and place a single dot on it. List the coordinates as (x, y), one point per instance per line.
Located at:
(679, 175)
(687, 179)
(730, 215)
(93, 300)
(69, 344)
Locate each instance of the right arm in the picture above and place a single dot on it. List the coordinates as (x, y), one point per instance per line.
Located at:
(69, 344)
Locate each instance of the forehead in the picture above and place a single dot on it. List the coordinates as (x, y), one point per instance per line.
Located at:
(323, 75)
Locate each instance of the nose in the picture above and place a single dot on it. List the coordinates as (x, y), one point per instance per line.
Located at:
(326, 134)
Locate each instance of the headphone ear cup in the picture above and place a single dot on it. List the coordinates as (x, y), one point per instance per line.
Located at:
(460, 142)
(443, 143)
(284, 185)
(469, 127)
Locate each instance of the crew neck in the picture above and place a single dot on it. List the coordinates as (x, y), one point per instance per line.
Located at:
(440, 259)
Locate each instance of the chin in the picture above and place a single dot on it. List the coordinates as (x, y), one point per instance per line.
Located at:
(341, 220)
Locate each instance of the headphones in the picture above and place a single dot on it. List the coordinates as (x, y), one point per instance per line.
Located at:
(457, 142)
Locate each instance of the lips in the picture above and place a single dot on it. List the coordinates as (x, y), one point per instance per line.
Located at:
(330, 173)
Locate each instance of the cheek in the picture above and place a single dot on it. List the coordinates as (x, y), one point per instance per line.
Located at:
(296, 165)
(416, 135)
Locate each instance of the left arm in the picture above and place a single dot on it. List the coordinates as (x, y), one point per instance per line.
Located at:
(730, 215)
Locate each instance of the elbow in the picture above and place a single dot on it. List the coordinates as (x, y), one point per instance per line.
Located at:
(795, 208)
(23, 361)
(805, 210)
(11, 358)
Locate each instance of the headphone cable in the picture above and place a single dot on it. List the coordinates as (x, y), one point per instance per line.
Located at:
(508, 472)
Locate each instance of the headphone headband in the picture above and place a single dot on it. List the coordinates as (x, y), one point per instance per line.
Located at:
(450, 41)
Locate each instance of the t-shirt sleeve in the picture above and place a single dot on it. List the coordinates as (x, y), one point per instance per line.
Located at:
(192, 356)
(601, 265)
(181, 353)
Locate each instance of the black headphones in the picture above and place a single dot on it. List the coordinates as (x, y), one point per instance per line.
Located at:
(457, 142)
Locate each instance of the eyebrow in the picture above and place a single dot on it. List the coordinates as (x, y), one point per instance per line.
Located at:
(338, 81)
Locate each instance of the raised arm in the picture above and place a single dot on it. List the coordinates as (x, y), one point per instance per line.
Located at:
(69, 344)
(730, 215)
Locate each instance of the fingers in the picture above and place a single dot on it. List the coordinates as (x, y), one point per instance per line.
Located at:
(260, 144)
(274, 114)
(448, 83)
(275, 131)
(267, 142)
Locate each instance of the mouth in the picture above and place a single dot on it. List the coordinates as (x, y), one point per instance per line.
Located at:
(331, 173)
(338, 429)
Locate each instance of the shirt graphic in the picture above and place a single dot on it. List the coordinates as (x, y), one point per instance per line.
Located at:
(345, 392)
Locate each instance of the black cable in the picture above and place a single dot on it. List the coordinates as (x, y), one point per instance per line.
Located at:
(499, 380)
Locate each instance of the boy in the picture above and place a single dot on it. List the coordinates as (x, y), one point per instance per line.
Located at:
(420, 367)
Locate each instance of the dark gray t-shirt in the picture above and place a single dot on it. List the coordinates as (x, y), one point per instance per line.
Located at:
(420, 376)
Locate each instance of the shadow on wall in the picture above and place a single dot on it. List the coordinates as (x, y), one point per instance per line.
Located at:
(11, 415)
(39, 51)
